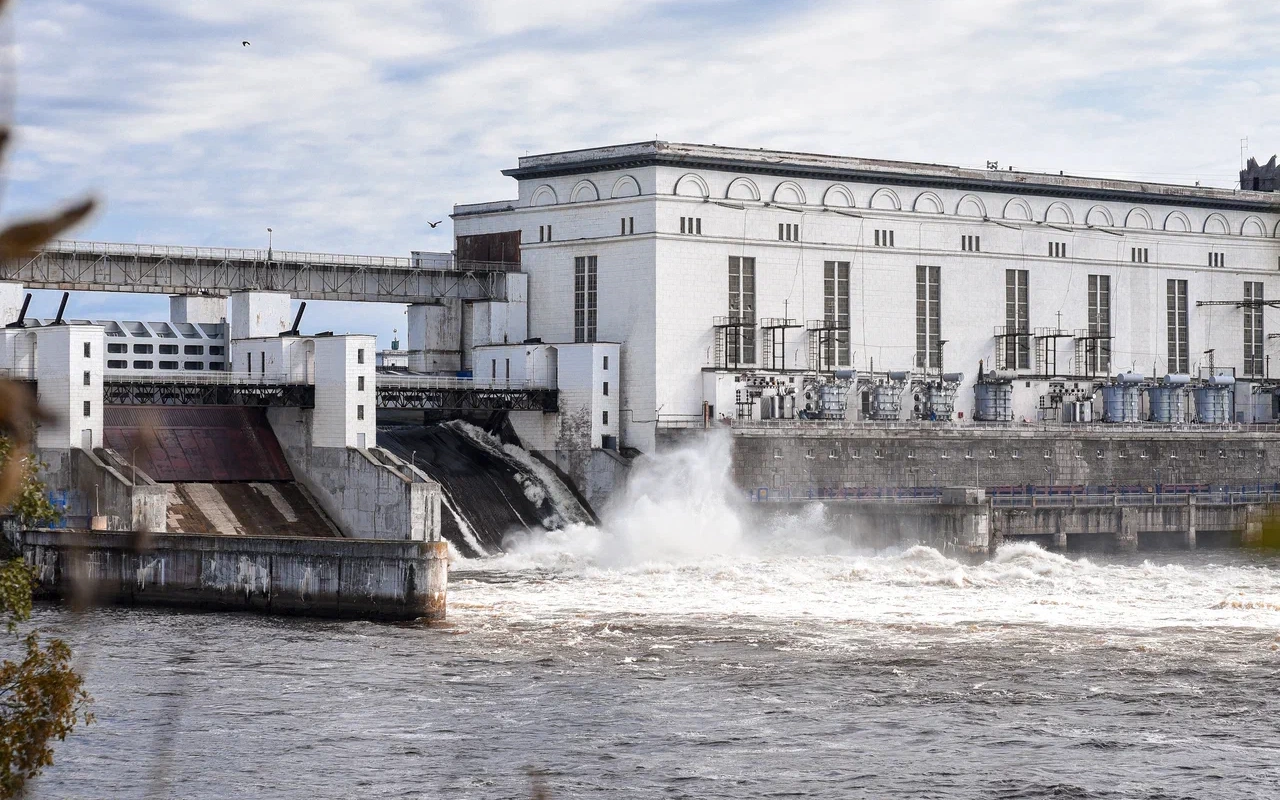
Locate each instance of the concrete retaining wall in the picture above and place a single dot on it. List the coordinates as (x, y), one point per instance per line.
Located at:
(799, 459)
(365, 497)
(297, 576)
(90, 486)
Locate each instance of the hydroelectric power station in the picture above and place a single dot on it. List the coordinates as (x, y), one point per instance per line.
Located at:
(936, 353)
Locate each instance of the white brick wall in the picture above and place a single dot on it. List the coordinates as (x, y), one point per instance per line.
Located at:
(340, 402)
(255, 314)
(62, 366)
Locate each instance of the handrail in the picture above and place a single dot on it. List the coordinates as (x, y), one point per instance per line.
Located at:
(420, 262)
(747, 426)
(213, 378)
(451, 382)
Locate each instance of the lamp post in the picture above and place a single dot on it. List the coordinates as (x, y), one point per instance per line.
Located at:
(413, 465)
(270, 235)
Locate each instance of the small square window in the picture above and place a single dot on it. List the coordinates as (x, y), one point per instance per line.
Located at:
(808, 453)
(1047, 454)
(777, 452)
(835, 453)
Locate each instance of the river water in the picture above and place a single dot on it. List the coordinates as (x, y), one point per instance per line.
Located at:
(682, 651)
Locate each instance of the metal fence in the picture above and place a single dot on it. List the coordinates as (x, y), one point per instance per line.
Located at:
(214, 378)
(926, 426)
(1042, 497)
(74, 247)
(418, 261)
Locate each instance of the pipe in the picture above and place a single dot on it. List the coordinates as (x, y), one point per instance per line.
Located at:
(21, 321)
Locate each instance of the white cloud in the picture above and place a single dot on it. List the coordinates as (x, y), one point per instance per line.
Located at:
(345, 126)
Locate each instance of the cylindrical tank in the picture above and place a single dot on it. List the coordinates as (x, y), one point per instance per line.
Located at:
(1168, 403)
(1122, 400)
(789, 406)
(1213, 403)
(993, 402)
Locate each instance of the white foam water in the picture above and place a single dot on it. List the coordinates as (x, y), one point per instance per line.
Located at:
(679, 542)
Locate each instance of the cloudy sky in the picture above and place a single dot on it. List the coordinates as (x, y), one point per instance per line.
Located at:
(347, 126)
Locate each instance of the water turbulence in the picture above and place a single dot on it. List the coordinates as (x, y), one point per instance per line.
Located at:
(489, 487)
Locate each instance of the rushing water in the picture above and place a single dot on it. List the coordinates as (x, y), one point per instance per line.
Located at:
(680, 651)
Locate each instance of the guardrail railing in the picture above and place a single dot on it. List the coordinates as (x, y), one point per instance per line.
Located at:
(417, 262)
(924, 425)
(215, 378)
(926, 496)
(451, 382)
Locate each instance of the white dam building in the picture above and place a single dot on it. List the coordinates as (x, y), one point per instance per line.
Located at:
(733, 277)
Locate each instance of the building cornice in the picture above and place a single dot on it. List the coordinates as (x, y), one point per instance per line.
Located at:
(884, 173)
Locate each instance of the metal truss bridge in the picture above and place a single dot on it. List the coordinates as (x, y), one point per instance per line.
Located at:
(161, 269)
(392, 392)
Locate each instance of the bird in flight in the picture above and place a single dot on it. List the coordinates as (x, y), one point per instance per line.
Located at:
(244, 44)
(437, 222)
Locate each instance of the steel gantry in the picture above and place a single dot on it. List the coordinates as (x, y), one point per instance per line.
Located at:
(161, 269)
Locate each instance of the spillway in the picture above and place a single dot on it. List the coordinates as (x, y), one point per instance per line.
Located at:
(490, 488)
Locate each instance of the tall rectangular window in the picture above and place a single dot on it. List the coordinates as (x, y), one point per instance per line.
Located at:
(584, 299)
(1176, 308)
(835, 309)
(1017, 319)
(1098, 350)
(928, 317)
(741, 341)
(1253, 336)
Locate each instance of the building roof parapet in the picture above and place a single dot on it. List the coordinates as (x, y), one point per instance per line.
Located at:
(812, 165)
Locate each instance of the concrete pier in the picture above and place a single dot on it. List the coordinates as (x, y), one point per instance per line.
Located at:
(334, 578)
(965, 521)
